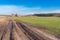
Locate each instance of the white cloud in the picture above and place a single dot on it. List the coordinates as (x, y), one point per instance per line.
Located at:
(8, 9)
(56, 11)
(53, 11)
(26, 10)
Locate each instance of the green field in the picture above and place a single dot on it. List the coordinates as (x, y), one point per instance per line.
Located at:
(51, 24)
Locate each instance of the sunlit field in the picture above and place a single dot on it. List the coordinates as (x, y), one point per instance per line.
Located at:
(51, 24)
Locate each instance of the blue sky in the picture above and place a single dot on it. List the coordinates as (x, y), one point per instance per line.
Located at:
(25, 7)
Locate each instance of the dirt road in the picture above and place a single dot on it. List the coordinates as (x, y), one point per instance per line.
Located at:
(16, 30)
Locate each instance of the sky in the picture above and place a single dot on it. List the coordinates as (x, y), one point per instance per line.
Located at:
(25, 7)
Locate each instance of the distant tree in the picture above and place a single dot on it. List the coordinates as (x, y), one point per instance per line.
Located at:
(16, 15)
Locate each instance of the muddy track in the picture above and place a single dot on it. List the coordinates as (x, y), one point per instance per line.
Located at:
(6, 32)
(29, 33)
(19, 30)
(33, 33)
(17, 33)
(16, 30)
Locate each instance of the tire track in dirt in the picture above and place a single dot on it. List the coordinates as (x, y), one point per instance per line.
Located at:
(28, 32)
(17, 33)
(16, 30)
(35, 33)
(6, 33)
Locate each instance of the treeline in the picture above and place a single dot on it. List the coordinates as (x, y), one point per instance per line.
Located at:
(47, 15)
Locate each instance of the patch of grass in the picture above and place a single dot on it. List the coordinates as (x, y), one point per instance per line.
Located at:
(51, 24)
